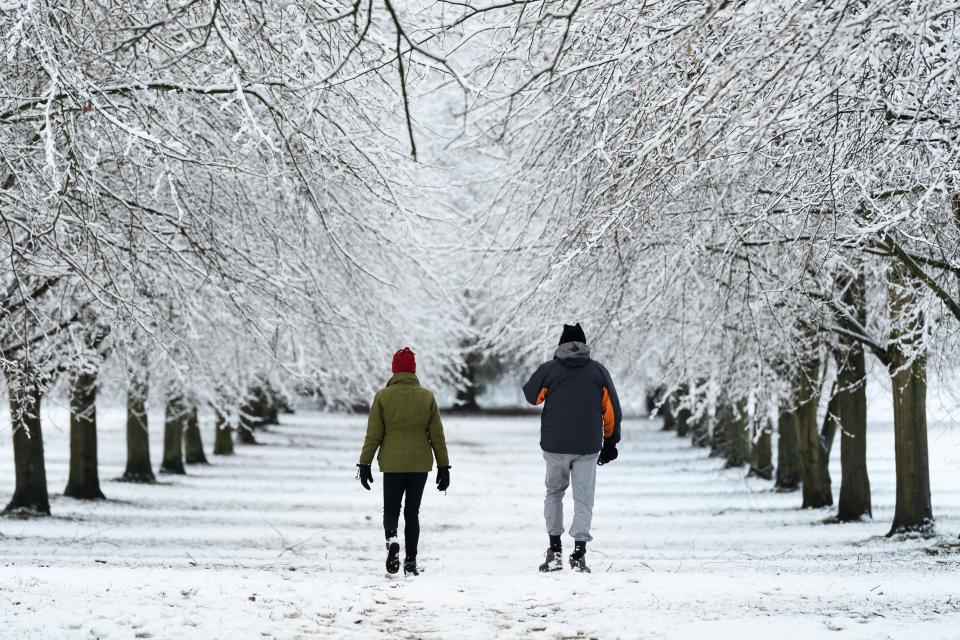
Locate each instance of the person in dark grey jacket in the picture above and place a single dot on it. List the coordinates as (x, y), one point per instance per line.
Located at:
(579, 429)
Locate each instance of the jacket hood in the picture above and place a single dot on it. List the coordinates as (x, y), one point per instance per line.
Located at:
(403, 378)
(574, 354)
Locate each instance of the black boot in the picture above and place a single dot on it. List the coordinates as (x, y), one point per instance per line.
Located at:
(410, 566)
(393, 556)
(554, 556)
(554, 561)
(578, 559)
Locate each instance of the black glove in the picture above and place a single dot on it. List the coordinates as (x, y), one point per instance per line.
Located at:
(364, 475)
(608, 453)
(443, 478)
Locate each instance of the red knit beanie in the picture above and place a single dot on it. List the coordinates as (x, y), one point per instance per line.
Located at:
(405, 361)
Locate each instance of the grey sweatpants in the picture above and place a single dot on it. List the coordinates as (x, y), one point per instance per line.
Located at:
(561, 467)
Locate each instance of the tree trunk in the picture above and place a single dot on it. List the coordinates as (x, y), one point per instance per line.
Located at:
(700, 430)
(719, 436)
(908, 373)
(84, 480)
(738, 438)
(683, 417)
(30, 492)
(138, 468)
(788, 453)
(174, 423)
(669, 417)
(827, 435)
(854, 501)
(245, 429)
(192, 438)
(466, 395)
(761, 462)
(223, 439)
(805, 399)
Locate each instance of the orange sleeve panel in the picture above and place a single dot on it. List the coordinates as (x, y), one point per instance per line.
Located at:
(608, 418)
(543, 396)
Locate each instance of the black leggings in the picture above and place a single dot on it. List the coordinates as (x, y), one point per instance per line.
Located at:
(394, 486)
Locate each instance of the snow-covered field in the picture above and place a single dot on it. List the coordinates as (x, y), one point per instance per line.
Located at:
(281, 542)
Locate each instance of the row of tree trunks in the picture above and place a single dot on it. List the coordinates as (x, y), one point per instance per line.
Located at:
(25, 395)
(804, 450)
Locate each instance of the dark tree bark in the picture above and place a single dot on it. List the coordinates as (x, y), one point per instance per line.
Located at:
(720, 434)
(245, 429)
(738, 435)
(854, 502)
(84, 481)
(466, 398)
(192, 438)
(805, 399)
(667, 411)
(223, 438)
(683, 417)
(700, 430)
(828, 434)
(761, 461)
(138, 468)
(30, 492)
(913, 510)
(271, 411)
(653, 399)
(789, 475)
(174, 424)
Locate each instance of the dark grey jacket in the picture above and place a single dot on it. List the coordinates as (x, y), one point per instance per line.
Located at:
(582, 407)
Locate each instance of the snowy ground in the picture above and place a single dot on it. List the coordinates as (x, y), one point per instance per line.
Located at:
(281, 542)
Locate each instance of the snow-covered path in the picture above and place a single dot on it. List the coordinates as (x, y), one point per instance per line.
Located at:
(281, 542)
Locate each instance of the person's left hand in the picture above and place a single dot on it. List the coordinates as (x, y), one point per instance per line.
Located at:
(364, 475)
(608, 453)
(443, 478)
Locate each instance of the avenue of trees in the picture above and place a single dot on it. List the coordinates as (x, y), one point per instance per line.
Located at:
(751, 204)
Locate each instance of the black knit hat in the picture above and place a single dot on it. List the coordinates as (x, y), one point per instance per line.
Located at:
(572, 333)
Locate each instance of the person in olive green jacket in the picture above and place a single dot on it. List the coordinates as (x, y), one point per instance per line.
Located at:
(404, 424)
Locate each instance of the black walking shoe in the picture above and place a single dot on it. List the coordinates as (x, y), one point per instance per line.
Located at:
(578, 561)
(554, 561)
(393, 556)
(410, 567)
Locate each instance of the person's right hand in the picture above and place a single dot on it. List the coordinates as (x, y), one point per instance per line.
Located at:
(364, 475)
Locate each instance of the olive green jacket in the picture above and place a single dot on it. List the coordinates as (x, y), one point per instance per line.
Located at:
(405, 426)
